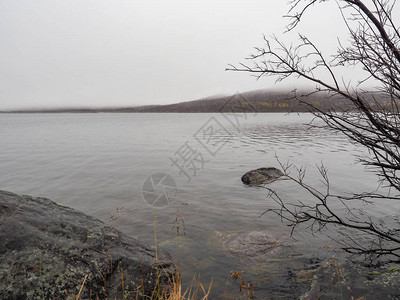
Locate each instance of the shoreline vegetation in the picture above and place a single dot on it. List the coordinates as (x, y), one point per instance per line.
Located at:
(257, 101)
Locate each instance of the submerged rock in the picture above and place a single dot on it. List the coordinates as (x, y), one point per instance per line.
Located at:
(261, 176)
(250, 245)
(347, 280)
(48, 251)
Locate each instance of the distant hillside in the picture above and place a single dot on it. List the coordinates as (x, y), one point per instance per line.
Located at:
(258, 101)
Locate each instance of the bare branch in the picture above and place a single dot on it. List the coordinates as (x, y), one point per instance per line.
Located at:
(369, 119)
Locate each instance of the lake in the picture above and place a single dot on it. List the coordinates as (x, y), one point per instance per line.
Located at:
(107, 164)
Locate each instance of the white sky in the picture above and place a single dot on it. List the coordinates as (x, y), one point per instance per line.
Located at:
(66, 53)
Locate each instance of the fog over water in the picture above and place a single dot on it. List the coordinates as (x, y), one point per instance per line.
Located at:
(136, 52)
(139, 172)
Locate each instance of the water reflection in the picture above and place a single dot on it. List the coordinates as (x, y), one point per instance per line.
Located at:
(290, 136)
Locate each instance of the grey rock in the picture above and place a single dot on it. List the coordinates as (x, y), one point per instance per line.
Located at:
(46, 251)
(261, 176)
(348, 280)
(254, 245)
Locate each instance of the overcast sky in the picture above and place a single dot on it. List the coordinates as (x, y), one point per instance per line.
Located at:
(133, 52)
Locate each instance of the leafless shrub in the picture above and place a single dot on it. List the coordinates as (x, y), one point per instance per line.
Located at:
(369, 118)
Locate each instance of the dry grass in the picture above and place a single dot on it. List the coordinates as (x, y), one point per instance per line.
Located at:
(195, 291)
(173, 291)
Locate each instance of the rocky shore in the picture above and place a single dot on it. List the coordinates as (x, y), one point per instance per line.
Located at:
(49, 251)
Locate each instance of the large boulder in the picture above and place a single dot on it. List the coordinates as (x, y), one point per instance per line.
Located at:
(48, 251)
(261, 176)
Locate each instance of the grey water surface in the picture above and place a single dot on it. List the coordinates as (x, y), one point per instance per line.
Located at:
(98, 163)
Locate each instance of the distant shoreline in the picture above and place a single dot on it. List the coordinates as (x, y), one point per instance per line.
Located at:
(135, 112)
(262, 101)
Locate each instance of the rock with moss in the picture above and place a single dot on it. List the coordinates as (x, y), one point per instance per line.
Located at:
(48, 251)
(261, 176)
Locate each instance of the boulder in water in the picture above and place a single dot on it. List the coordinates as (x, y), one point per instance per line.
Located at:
(261, 176)
(250, 245)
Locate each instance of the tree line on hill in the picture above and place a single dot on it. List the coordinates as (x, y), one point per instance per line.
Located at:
(258, 101)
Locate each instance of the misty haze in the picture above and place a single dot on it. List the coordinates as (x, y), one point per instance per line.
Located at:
(199, 149)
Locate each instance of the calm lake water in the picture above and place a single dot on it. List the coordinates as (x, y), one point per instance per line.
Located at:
(98, 163)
